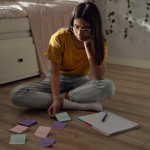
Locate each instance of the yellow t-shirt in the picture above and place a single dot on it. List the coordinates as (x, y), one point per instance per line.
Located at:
(62, 51)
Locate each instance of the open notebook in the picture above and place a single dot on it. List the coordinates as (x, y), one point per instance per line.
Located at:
(112, 125)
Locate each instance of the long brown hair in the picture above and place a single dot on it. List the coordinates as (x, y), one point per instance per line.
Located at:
(90, 13)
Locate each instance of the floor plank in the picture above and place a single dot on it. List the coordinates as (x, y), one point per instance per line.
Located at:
(131, 100)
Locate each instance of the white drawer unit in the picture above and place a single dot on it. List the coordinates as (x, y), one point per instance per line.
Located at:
(18, 60)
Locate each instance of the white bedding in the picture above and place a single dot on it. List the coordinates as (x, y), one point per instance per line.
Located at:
(11, 10)
(45, 18)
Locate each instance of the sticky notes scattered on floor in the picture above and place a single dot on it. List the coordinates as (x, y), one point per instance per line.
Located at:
(17, 139)
(62, 117)
(19, 129)
(42, 131)
(46, 142)
(58, 125)
(28, 122)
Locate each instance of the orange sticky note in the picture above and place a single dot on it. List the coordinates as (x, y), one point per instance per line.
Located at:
(19, 129)
(42, 131)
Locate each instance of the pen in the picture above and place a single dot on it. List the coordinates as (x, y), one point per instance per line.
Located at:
(104, 118)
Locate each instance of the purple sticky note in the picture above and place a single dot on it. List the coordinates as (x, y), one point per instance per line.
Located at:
(46, 142)
(28, 122)
(58, 125)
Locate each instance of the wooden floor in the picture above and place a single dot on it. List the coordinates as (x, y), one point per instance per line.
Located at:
(131, 100)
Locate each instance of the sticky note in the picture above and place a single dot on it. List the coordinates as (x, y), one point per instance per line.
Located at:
(19, 129)
(18, 139)
(42, 131)
(28, 122)
(46, 142)
(58, 125)
(62, 117)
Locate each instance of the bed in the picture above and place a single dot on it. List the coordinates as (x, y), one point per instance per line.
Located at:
(25, 30)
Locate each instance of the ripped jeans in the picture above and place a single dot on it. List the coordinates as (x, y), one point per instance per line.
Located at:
(81, 89)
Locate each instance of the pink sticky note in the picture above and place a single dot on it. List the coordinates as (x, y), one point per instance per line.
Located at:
(19, 129)
(42, 131)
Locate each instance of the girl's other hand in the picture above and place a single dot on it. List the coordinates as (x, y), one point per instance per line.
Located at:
(54, 108)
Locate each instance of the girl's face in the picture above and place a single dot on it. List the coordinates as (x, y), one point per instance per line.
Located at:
(81, 29)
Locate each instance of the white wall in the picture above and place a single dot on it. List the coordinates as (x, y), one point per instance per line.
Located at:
(135, 49)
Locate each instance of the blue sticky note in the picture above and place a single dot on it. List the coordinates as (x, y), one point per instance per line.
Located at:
(17, 139)
(58, 125)
(46, 142)
(62, 117)
(28, 122)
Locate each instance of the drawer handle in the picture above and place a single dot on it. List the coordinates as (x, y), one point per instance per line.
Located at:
(20, 60)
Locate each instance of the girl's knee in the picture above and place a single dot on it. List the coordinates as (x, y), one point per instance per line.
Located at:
(16, 94)
(108, 87)
(13, 95)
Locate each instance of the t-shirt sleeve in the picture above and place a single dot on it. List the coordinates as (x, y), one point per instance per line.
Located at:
(105, 52)
(54, 52)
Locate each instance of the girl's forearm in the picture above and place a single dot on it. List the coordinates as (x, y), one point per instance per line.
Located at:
(55, 81)
(97, 71)
(55, 86)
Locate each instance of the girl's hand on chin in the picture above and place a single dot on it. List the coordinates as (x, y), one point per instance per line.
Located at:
(88, 40)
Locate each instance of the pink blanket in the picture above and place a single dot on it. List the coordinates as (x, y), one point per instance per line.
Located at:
(45, 19)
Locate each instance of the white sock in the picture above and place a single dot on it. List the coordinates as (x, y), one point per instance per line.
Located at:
(62, 95)
(82, 106)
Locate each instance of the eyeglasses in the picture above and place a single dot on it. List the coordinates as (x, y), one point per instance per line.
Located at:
(83, 30)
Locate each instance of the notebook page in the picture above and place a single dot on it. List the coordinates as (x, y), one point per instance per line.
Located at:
(113, 123)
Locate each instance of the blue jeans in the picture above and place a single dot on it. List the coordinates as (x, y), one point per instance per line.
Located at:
(81, 89)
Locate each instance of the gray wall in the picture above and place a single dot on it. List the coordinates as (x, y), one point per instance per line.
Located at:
(135, 49)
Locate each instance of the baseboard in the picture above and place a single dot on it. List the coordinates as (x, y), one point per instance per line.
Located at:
(129, 62)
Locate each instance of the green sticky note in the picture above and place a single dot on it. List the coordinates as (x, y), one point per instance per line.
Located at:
(62, 117)
(18, 139)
